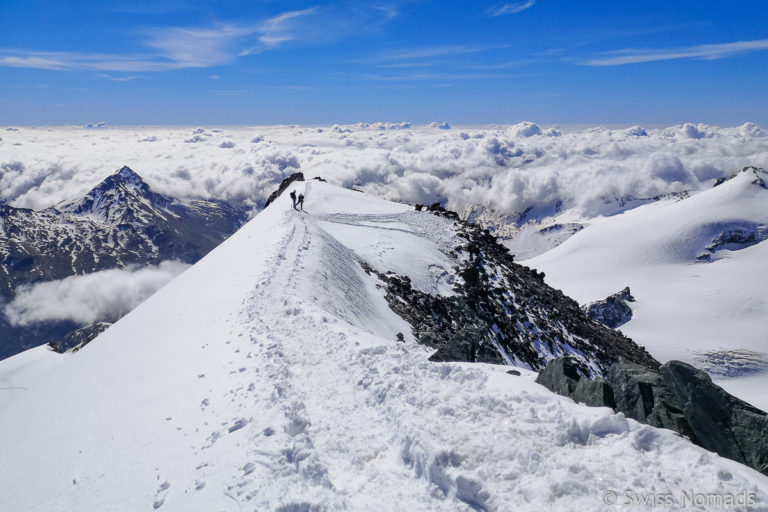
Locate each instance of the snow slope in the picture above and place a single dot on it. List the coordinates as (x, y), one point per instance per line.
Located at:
(685, 308)
(267, 377)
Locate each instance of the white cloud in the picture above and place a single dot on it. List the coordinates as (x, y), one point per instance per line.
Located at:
(171, 48)
(706, 51)
(119, 78)
(35, 60)
(105, 295)
(510, 8)
(431, 51)
(505, 167)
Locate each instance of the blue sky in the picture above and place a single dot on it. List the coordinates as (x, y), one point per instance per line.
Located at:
(264, 62)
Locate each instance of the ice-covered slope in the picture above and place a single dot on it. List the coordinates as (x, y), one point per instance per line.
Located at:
(267, 377)
(697, 269)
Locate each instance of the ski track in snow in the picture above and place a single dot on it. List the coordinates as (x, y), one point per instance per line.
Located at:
(333, 471)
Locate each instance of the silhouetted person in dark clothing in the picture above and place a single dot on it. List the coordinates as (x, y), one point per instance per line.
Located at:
(293, 198)
(300, 202)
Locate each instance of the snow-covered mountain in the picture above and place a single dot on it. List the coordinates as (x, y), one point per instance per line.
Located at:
(697, 270)
(275, 375)
(120, 222)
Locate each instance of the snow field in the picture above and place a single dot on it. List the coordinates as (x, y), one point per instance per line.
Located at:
(267, 377)
(683, 307)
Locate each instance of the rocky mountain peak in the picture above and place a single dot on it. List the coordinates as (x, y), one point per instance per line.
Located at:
(757, 174)
(117, 198)
(127, 176)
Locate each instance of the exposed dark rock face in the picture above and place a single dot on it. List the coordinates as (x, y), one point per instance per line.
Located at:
(297, 176)
(503, 312)
(612, 311)
(678, 397)
(733, 238)
(118, 223)
(78, 338)
(595, 393)
(640, 393)
(561, 375)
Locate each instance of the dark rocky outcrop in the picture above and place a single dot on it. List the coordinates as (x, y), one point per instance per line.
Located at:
(640, 393)
(78, 338)
(678, 397)
(561, 375)
(612, 311)
(736, 236)
(595, 393)
(502, 312)
(297, 176)
(722, 422)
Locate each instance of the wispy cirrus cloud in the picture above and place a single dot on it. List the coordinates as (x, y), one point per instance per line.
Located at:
(510, 8)
(420, 77)
(171, 48)
(41, 60)
(449, 58)
(68, 61)
(433, 51)
(118, 78)
(706, 51)
(277, 30)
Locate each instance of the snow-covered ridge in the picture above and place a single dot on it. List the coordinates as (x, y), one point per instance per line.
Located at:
(268, 377)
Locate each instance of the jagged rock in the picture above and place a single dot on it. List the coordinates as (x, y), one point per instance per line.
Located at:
(722, 422)
(612, 311)
(467, 345)
(678, 397)
(561, 375)
(734, 238)
(297, 176)
(519, 318)
(595, 393)
(429, 339)
(640, 393)
(77, 339)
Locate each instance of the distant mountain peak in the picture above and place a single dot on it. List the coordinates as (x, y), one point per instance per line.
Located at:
(760, 176)
(124, 176)
(118, 193)
(128, 175)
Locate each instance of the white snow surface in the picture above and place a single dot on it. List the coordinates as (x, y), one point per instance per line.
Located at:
(267, 377)
(683, 307)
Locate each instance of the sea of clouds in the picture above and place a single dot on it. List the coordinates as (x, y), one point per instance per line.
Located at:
(508, 168)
